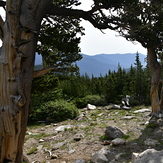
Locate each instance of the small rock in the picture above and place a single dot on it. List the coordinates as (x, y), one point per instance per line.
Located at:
(53, 156)
(42, 129)
(151, 142)
(99, 115)
(58, 145)
(117, 156)
(106, 142)
(99, 158)
(29, 133)
(148, 156)
(91, 107)
(125, 108)
(71, 151)
(142, 110)
(80, 117)
(41, 140)
(115, 107)
(118, 141)
(62, 128)
(105, 152)
(128, 117)
(39, 147)
(80, 161)
(113, 132)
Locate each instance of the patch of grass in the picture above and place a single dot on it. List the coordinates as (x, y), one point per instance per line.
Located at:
(125, 137)
(46, 145)
(34, 126)
(64, 147)
(103, 125)
(103, 137)
(121, 112)
(126, 155)
(138, 120)
(38, 136)
(152, 125)
(31, 150)
(93, 124)
(86, 129)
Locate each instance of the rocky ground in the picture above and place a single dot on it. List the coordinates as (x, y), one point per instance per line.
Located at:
(68, 141)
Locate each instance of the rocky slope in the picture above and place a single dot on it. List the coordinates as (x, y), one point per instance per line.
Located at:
(81, 138)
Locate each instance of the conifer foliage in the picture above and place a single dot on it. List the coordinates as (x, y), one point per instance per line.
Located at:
(80, 90)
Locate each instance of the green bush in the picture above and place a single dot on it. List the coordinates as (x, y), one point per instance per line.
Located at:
(134, 102)
(58, 110)
(80, 102)
(92, 99)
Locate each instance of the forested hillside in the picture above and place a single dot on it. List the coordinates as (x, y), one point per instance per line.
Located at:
(59, 97)
(101, 63)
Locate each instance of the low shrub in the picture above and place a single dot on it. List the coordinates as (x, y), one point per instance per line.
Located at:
(92, 99)
(95, 100)
(58, 110)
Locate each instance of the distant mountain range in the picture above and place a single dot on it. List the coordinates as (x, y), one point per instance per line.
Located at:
(100, 64)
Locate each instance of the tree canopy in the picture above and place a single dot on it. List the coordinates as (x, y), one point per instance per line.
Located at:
(58, 40)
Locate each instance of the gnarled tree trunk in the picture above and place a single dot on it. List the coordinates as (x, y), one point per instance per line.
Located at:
(156, 72)
(20, 32)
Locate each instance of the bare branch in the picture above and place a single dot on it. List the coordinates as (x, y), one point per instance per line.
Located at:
(1, 27)
(42, 72)
(1, 22)
(86, 15)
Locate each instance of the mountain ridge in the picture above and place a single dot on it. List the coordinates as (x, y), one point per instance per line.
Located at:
(100, 64)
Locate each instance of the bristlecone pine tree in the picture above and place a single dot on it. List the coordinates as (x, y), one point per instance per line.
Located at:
(19, 34)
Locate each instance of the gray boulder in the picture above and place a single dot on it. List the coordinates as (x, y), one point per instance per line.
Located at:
(91, 107)
(148, 156)
(105, 152)
(151, 142)
(113, 132)
(80, 161)
(118, 141)
(99, 158)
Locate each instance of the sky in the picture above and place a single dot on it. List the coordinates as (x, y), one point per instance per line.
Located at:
(95, 42)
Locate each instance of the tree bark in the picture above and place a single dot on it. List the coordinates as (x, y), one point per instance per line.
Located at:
(20, 32)
(161, 99)
(156, 72)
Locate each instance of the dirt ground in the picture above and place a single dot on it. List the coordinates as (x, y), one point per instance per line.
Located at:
(86, 135)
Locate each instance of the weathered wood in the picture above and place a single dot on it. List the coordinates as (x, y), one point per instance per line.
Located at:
(42, 72)
(16, 70)
(155, 81)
